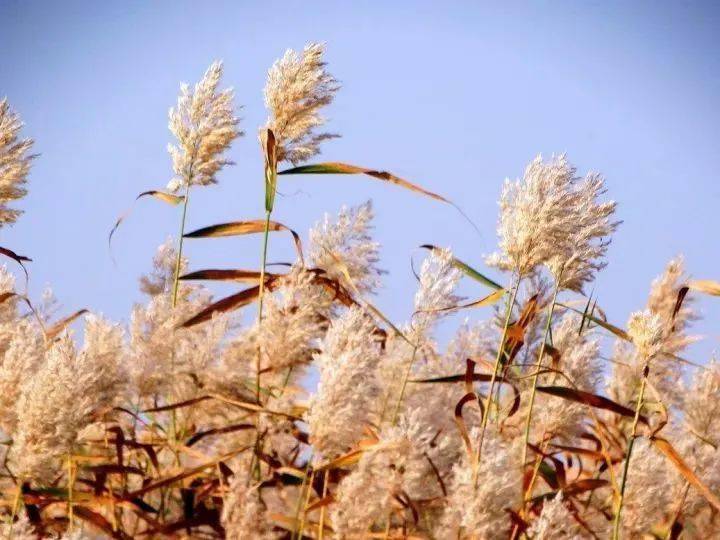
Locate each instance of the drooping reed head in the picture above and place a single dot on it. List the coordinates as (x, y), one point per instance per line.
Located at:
(298, 87)
(204, 124)
(14, 162)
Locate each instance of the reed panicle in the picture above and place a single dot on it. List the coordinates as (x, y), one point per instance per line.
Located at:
(323, 417)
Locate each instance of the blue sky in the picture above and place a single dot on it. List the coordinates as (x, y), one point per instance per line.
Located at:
(454, 95)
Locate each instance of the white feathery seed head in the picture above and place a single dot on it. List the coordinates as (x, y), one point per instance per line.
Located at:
(551, 217)
(204, 124)
(297, 87)
(344, 248)
(482, 512)
(68, 393)
(555, 522)
(662, 301)
(645, 329)
(15, 161)
(347, 395)
(438, 279)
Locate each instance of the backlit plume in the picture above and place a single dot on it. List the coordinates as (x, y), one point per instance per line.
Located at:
(298, 87)
(204, 124)
(15, 161)
(551, 217)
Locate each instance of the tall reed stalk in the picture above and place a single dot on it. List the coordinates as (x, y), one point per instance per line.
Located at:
(178, 258)
(631, 443)
(533, 391)
(498, 358)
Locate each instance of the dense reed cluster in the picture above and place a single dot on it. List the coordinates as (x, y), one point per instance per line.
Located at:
(540, 419)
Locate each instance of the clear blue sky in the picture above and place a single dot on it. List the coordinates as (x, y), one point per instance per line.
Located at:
(456, 96)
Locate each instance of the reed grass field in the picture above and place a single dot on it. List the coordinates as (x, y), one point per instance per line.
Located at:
(321, 417)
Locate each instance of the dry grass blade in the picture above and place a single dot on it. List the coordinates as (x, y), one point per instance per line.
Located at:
(593, 400)
(238, 276)
(515, 334)
(98, 521)
(218, 431)
(346, 460)
(706, 286)
(488, 300)
(188, 473)
(167, 198)
(17, 258)
(229, 303)
(619, 332)
(56, 329)
(240, 228)
(460, 421)
(179, 405)
(345, 168)
(672, 455)
(478, 377)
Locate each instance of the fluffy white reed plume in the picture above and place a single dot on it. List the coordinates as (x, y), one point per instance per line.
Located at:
(701, 403)
(482, 512)
(22, 529)
(438, 279)
(672, 339)
(348, 391)
(662, 301)
(551, 217)
(700, 441)
(344, 248)
(21, 351)
(22, 355)
(294, 317)
(14, 162)
(395, 466)
(433, 404)
(204, 124)
(297, 87)
(69, 392)
(244, 515)
(157, 349)
(650, 493)
(555, 522)
(579, 361)
(580, 256)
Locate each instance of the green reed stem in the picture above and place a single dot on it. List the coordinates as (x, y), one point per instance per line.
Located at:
(261, 294)
(404, 385)
(533, 392)
(15, 509)
(498, 358)
(178, 259)
(631, 442)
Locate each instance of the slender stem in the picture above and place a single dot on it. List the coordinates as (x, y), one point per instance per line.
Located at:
(631, 442)
(255, 464)
(71, 480)
(178, 260)
(176, 280)
(498, 358)
(308, 493)
(404, 385)
(261, 295)
(15, 509)
(321, 523)
(534, 383)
